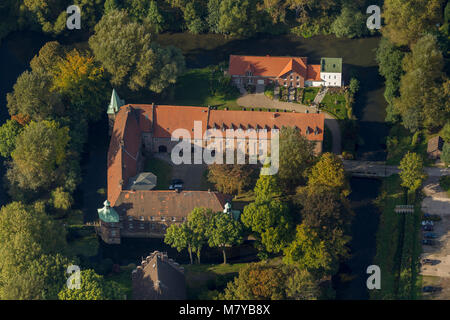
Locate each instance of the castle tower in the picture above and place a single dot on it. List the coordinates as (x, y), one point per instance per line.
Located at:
(113, 108)
(109, 229)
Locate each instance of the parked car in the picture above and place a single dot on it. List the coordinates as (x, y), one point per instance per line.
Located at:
(427, 228)
(427, 222)
(430, 235)
(176, 184)
(428, 242)
(427, 261)
(431, 289)
(433, 217)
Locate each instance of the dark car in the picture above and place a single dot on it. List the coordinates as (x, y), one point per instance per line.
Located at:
(428, 242)
(431, 289)
(177, 184)
(433, 217)
(430, 235)
(427, 261)
(427, 228)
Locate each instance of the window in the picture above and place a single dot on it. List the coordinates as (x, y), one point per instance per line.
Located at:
(141, 218)
(291, 78)
(335, 77)
(152, 218)
(174, 219)
(113, 233)
(163, 218)
(285, 84)
(130, 226)
(141, 226)
(130, 218)
(298, 84)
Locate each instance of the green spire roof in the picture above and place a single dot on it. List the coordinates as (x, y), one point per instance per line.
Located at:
(108, 214)
(115, 103)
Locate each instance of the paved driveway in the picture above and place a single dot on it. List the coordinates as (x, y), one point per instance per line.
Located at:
(437, 202)
(261, 101)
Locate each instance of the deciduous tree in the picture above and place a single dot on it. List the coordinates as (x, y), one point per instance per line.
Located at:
(411, 173)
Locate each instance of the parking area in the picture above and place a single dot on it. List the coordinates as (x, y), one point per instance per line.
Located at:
(437, 273)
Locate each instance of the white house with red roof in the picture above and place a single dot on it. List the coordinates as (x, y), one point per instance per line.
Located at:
(285, 71)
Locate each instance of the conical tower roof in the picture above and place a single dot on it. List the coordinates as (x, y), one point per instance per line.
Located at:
(115, 103)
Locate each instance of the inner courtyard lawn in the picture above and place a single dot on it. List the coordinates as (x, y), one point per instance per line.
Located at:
(194, 89)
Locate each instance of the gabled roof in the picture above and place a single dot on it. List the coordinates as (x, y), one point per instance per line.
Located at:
(435, 144)
(313, 73)
(267, 66)
(158, 277)
(168, 203)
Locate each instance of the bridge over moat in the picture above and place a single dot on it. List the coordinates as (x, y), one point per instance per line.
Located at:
(379, 169)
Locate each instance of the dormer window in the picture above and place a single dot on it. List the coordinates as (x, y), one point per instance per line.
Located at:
(163, 218)
(248, 73)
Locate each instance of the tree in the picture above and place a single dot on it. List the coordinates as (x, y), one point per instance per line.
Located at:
(296, 156)
(80, 79)
(230, 179)
(329, 171)
(50, 14)
(192, 16)
(224, 231)
(406, 21)
(422, 95)
(237, 18)
(180, 237)
(61, 199)
(316, 253)
(258, 281)
(445, 156)
(445, 132)
(127, 51)
(199, 221)
(30, 242)
(32, 96)
(323, 208)
(49, 55)
(39, 156)
(8, 135)
(411, 173)
(268, 216)
(93, 287)
(354, 86)
(351, 23)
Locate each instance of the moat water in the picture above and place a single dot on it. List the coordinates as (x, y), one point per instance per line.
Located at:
(200, 51)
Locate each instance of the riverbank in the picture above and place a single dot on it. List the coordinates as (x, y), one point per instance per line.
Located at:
(398, 244)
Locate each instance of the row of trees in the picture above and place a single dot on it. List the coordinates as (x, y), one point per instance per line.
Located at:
(205, 227)
(243, 18)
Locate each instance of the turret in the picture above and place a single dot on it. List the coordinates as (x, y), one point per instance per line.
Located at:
(113, 108)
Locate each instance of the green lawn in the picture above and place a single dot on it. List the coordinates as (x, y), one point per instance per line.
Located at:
(193, 89)
(309, 94)
(204, 281)
(162, 170)
(444, 182)
(338, 110)
(398, 245)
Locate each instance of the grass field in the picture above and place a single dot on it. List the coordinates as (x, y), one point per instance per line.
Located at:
(162, 170)
(398, 246)
(123, 278)
(205, 281)
(193, 89)
(309, 94)
(338, 110)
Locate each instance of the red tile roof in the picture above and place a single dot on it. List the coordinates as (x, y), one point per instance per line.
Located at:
(132, 120)
(167, 203)
(267, 66)
(313, 72)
